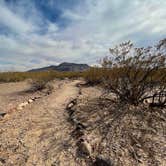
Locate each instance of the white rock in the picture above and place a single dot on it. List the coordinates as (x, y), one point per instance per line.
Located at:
(30, 101)
(19, 107)
(2, 114)
(23, 104)
(70, 105)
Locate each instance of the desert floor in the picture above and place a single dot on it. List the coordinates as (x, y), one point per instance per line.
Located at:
(39, 134)
(47, 129)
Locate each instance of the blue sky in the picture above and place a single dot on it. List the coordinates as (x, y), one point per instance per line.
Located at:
(36, 33)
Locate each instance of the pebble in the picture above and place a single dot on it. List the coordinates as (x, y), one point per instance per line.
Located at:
(2, 114)
(101, 161)
(30, 101)
(85, 148)
(70, 105)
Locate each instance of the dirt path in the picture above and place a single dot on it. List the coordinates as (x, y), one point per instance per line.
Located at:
(39, 135)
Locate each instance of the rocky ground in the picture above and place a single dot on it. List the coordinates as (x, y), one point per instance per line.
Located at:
(120, 134)
(76, 126)
(12, 94)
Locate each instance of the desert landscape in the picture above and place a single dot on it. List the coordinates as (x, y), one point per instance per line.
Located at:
(82, 83)
(88, 116)
(76, 125)
(40, 132)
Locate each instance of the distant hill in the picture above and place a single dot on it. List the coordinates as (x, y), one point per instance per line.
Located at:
(64, 67)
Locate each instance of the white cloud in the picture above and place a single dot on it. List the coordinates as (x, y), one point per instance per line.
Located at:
(92, 29)
(14, 22)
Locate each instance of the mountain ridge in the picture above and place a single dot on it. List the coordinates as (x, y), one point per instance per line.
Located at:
(65, 66)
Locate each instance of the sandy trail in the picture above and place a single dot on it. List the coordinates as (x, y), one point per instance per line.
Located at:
(40, 134)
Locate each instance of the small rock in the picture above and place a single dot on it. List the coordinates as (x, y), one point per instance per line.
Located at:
(2, 161)
(85, 148)
(2, 114)
(19, 107)
(138, 145)
(37, 97)
(70, 106)
(100, 161)
(23, 104)
(33, 98)
(81, 126)
(75, 121)
(30, 101)
(140, 153)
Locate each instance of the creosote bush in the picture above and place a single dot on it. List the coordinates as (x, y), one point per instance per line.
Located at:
(134, 74)
(41, 82)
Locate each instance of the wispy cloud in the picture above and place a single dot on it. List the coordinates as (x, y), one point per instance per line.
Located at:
(39, 32)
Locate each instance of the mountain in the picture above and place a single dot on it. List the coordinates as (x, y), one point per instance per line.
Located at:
(64, 67)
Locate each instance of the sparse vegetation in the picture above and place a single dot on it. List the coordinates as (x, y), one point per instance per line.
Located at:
(134, 74)
(21, 76)
(37, 80)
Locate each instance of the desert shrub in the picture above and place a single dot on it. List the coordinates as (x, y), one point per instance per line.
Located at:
(95, 75)
(40, 80)
(69, 75)
(21, 76)
(38, 84)
(136, 74)
(12, 76)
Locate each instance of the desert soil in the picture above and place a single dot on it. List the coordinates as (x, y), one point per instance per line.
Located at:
(40, 133)
(46, 132)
